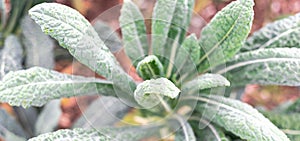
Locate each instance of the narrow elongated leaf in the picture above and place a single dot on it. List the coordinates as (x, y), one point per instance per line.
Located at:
(148, 93)
(11, 55)
(39, 46)
(205, 81)
(112, 110)
(37, 86)
(70, 135)
(187, 57)
(223, 37)
(240, 119)
(170, 21)
(10, 124)
(133, 31)
(276, 66)
(48, 118)
(76, 34)
(279, 34)
(289, 123)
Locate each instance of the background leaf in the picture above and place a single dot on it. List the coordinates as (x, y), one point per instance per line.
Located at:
(223, 37)
(48, 118)
(108, 36)
(37, 86)
(27, 118)
(279, 34)
(11, 55)
(39, 47)
(9, 125)
(276, 66)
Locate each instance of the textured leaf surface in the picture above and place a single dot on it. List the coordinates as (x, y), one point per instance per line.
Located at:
(187, 57)
(9, 125)
(240, 119)
(72, 135)
(277, 66)
(170, 20)
(191, 46)
(223, 37)
(205, 81)
(131, 133)
(150, 67)
(37, 86)
(148, 93)
(11, 55)
(133, 31)
(39, 46)
(75, 33)
(112, 110)
(48, 118)
(289, 123)
(279, 34)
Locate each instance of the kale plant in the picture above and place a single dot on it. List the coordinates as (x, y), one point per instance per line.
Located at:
(185, 82)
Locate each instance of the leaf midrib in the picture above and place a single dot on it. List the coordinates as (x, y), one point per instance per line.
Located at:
(222, 40)
(287, 32)
(247, 62)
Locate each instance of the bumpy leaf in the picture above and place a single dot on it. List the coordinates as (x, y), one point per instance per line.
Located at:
(70, 135)
(9, 125)
(170, 21)
(133, 30)
(37, 86)
(149, 92)
(288, 123)
(39, 47)
(239, 118)
(150, 67)
(205, 81)
(112, 110)
(48, 118)
(132, 133)
(191, 46)
(187, 56)
(225, 34)
(276, 66)
(75, 33)
(11, 55)
(281, 33)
